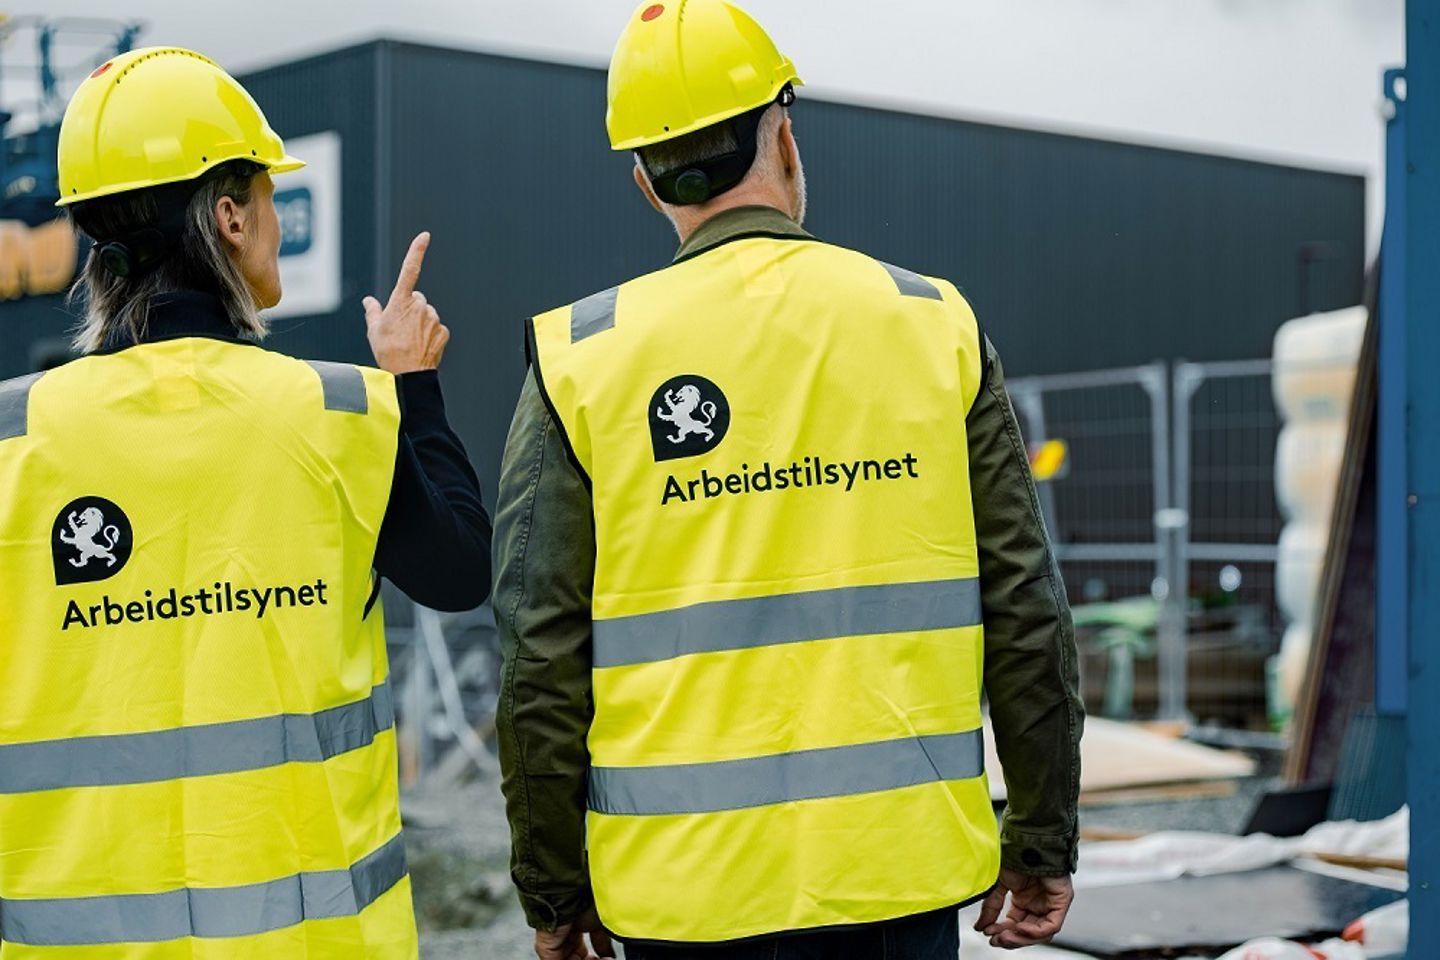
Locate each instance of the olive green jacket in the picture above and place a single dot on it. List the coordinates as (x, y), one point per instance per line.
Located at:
(545, 567)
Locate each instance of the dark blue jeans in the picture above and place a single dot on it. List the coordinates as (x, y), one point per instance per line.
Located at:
(928, 936)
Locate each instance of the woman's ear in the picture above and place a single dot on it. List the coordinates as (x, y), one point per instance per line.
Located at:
(230, 221)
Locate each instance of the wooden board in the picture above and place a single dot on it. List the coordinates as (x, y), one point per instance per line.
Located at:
(1340, 675)
(1116, 756)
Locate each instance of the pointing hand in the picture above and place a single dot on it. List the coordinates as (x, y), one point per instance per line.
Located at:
(406, 334)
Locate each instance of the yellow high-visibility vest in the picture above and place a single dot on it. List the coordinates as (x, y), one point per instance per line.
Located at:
(787, 635)
(197, 744)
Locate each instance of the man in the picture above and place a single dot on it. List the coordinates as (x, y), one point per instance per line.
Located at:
(740, 581)
(197, 744)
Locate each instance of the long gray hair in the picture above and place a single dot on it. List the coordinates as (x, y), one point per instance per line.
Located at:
(115, 304)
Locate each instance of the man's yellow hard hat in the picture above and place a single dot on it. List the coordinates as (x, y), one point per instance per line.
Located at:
(159, 115)
(683, 65)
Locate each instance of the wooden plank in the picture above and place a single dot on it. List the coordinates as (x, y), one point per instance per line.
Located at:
(1364, 863)
(1340, 676)
(1116, 755)
(1164, 793)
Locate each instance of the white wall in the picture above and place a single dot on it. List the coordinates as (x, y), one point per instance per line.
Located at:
(1291, 80)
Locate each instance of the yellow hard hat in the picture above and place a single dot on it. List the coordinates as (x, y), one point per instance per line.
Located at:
(683, 65)
(159, 115)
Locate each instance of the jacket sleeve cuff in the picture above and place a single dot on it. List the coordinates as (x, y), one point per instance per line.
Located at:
(421, 401)
(549, 912)
(1037, 855)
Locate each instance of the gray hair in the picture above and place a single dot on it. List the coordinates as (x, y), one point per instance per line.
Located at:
(200, 261)
(714, 141)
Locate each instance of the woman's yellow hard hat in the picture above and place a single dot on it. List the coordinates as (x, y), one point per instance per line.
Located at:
(159, 115)
(683, 65)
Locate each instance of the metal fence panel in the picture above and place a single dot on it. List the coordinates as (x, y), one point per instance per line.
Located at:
(1165, 528)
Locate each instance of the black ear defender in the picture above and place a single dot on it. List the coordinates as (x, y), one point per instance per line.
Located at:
(691, 186)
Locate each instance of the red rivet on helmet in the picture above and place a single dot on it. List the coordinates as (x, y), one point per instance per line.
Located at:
(652, 12)
(102, 68)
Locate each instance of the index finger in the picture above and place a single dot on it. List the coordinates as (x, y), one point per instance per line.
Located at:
(410, 269)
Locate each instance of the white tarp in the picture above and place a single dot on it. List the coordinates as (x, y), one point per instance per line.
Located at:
(1173, 854)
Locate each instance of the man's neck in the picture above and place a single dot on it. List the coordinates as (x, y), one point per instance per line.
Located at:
(689, 219)
(755, 220)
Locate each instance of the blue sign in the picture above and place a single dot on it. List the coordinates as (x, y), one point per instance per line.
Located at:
(296, 210)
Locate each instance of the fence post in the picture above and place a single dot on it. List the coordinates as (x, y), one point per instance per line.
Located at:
(418, 700)
(1188, 378)
(1169, 589)
(1032, 408)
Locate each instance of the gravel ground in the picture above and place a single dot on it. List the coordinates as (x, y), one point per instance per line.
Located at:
(459, 848)
(458, 844)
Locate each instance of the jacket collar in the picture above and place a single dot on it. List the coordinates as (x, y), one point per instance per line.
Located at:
(176, 315)
(736, 224)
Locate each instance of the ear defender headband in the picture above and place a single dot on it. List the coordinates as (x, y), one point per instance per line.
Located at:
(695, 184)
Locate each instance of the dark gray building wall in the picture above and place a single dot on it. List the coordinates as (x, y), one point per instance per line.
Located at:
(529, 210)
(1082, 254)
(337, 92)
(1078, 254)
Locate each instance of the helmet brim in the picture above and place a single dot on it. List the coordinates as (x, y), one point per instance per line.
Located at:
(286, 164)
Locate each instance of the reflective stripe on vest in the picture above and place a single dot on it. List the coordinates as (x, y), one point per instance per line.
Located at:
(208, 912)
(199, 751)
(198, 733)
(15, 405)
(786, 618)
(344, 386)
(787, 643)
(786, 777)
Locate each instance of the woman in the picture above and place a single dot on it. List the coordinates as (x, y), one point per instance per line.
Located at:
(197, 746)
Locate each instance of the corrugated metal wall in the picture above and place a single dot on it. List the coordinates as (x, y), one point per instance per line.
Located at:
(1077, 253)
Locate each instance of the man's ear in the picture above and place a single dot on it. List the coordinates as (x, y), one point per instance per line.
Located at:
(789, 149)
(643, 182)
(230, 220)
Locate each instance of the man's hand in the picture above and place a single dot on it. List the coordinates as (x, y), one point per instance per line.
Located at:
(568, 942)
(1038, 906)
(406, 334)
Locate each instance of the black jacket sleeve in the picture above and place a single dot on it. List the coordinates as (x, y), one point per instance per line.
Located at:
(435, 539)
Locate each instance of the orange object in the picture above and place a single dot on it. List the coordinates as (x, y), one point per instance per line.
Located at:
(1049, 460)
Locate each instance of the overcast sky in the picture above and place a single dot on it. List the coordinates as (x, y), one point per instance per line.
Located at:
(1290, 80)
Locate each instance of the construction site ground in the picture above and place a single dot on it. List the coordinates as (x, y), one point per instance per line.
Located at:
(459, 848)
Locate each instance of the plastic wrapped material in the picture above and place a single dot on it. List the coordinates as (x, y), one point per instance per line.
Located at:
(1315, 360)
(1308, 457)
(1384, 933)
(1269, 948)
(1314, 377)
(1298, 569)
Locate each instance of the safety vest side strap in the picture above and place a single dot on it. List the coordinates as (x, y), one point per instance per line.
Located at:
(532, 352)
